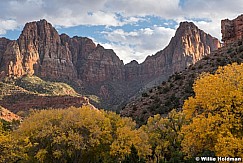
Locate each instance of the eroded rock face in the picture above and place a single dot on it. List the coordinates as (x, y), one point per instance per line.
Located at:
(102, 65)
(3, 46)
(41, 51)
(232, 30)
(13, 60)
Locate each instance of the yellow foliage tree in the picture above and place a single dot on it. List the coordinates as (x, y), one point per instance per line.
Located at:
(215, 114)
(125, 135)
(164, 136)
(10, 150)
(66, 135)
(79, 135)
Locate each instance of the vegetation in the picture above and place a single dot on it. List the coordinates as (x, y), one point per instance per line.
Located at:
(215, 113)
(8, 89)
(74, 135)
(210, 124)
(145, 94)
(37, 85)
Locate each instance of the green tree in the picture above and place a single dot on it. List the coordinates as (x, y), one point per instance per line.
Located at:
(164, 136)
(133, 156)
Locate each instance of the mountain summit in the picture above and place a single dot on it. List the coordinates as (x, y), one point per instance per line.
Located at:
(188, 46)
(41, 51)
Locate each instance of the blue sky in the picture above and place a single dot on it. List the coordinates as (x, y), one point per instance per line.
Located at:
(133, 28)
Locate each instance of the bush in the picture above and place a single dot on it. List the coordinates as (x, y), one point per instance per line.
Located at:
(239, 43)
(177, 76)
(240, 49)
(200, 67)
(145, 94)
(166, 89)
(230, 50)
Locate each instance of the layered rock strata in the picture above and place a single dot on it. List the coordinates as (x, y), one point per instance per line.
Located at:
(232, 30)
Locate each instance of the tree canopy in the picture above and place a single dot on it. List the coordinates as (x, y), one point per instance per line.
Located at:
(215, 114)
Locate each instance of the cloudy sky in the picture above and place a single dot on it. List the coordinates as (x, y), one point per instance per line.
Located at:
(133, 28)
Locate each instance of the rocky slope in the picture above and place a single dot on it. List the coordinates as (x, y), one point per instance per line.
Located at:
(28, 93)
(33, 101)
(91, 68)
(172, 93)
(8, 116)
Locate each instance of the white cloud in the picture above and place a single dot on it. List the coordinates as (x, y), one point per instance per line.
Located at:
(103, 12)
(138, 44)
(165, 8)
(92, 12)
(7, 25)
(68, 20)
(212, 10)
(130, 45)
(213, 28)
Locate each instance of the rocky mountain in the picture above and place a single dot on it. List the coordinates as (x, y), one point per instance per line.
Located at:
(91, 68)
(188, 46)
(171, 94)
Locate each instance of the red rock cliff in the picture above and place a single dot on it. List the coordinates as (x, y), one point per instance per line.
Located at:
(188, 46)
(40, 50)
(232, 30)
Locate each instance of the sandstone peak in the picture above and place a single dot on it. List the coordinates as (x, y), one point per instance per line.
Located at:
(41, 51)
(134, 62)
(187, 24)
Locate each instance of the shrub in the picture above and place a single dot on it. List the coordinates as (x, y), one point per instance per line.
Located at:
(239, 43)
(145, 94)
(177, 76)
(240, 49)
(200, 67)
(230, 50)
(165, 90)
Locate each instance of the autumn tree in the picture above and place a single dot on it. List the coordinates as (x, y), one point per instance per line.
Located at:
(70, 135)
(78, 135)
(125, 135)
(10, 149)
(164, 136)
(215, 114)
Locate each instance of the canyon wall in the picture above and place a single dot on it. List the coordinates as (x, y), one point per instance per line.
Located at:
(41, 51)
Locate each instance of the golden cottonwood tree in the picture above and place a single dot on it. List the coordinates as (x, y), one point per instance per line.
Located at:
(125, 135)
(215, 114)
(164, 136)
(10, 150)
(79, 135)
(66, 135)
